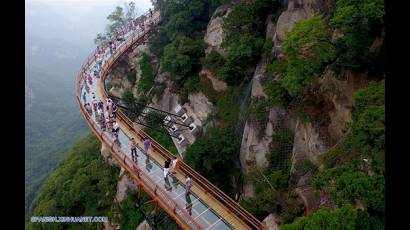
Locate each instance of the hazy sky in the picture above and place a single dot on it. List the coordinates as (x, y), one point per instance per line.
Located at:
(77, 21)
(142, 4)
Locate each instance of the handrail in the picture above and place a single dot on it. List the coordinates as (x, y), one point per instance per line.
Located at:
(169, 203)
(136, 36)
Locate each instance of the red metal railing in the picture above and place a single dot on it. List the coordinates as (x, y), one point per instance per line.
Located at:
(233, 206)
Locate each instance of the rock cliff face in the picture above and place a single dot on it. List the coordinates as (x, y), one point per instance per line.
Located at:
(310, 138)
(213, 38)
(214, 31)
(271, 221)
(297, 10)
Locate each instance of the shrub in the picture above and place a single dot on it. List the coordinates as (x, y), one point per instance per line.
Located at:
(359, 22)
(217, 151)
(227, 107)
(267, 50)
(343, 218)
(181, 57)
(308, 50)
(131, 76)
(259, 108)
(368, 123)
(158, 132)
(146, 81)
(214, 60)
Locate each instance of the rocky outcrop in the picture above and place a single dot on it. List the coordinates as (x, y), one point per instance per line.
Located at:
(271, 221)
(144, 226)
(307, 145)
(105, 152)
(124, 186)
(198, 107)
(256, 149)
(169, 99)
(340, 93)
(259, 75)
(297, 10)
(111, 226)
(217, 84)
(214, 32)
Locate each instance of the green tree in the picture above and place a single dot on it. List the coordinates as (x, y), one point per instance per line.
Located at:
(117, 20)
(308, 50)
(368, 123)
(343, 218)
(214, 156)
(100, 39)
(130, 11)
(181, 57)
(244, 38)
(82, 185)
(146, 81)
(359, 22)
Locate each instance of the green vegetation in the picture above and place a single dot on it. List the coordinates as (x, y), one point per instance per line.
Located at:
(158, 132)
(118, 18)
(308, 50)
(272, 182)
(130, 76)
(53, 123)
(244, 39)
(227, 107)
(129, 216)
(342, 218)
(368, 123)
(266, 199)
(359, 22)
(258, 108)
(214, 155)
(147, 75)
(181, 58)
(82, 185)
(354, 171)
(214, 60)
(179, 39)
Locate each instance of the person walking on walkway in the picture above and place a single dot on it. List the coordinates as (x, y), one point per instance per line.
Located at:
(94, 102)
(166, 173)
(188, 185)
(90, 79)
(115, 128)
(84, 97)
(147, 143)
(89, 109)
(134, 154)
(114, 109)
(109, 124)
(96, 73)
(174, 165)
